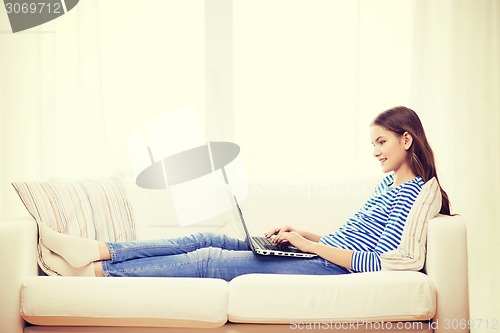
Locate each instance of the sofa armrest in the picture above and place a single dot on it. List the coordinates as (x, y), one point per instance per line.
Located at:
(18, 260)
(446, 266)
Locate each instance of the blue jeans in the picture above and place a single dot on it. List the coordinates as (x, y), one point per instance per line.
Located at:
(205, 255)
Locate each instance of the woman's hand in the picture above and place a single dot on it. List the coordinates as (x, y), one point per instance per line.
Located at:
(278, 230)
(295, 239)
(288, 234)
(309, 242)
(288, 229)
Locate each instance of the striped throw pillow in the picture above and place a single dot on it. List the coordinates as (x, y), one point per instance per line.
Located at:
(91, 208)
(410, 254)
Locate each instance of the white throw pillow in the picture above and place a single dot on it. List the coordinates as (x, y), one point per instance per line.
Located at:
(410, 254)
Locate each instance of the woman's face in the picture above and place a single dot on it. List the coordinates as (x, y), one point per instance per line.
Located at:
(389, 148)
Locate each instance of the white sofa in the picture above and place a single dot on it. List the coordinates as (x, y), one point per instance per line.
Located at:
(434, 300)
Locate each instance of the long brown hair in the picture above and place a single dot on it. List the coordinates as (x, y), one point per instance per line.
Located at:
(401, 119)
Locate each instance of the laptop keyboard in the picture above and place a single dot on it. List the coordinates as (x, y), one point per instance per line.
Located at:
(266, 244)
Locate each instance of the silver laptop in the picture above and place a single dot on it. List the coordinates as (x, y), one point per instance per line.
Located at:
(263, 245)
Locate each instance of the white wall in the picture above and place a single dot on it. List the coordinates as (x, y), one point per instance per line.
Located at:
(310, 77)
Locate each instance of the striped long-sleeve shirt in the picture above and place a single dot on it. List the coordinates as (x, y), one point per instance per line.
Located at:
(377, 227)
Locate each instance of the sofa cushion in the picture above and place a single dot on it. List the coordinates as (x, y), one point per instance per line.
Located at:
(153, 302)
(373, 296)
(410, 254)
(91, 208)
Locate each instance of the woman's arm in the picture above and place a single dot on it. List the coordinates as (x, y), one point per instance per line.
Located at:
(338, 256)
(310, 236)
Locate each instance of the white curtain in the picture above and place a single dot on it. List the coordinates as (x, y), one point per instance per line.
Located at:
(73, 89)
(53, 122)
(306, 78)
(456, 80)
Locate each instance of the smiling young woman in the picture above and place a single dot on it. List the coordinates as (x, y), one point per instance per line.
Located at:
(399, 144)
